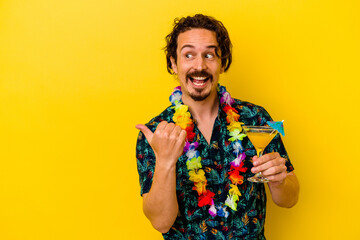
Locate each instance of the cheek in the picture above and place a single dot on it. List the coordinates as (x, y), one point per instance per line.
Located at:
(215, 66)
(217, 71)
(183, 69)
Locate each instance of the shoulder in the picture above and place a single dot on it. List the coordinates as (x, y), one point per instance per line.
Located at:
(165, 115)
(247, 106)
(251, 112)
(142, 145)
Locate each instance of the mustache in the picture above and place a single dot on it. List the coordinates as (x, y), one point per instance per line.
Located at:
(202, 73)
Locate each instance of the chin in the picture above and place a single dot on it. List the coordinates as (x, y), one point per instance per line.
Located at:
(199, 98)
(200, 95)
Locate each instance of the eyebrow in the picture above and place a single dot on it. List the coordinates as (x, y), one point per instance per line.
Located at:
(191, 46)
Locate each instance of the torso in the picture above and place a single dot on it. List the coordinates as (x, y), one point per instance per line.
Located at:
(195, 222)
(206, 127)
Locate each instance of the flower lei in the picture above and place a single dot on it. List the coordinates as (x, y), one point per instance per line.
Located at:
(183, 119)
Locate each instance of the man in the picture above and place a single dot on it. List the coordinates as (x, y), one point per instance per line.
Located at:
(193, 186)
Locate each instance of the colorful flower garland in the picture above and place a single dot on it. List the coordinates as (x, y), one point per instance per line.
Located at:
(183, 119)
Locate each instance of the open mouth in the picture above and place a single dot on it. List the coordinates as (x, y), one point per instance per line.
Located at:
(199, 81)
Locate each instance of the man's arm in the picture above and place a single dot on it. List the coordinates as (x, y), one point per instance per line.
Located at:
(285, 194)
(284, 186)
(160, 203)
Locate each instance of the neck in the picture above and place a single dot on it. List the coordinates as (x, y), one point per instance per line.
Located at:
(203, 110)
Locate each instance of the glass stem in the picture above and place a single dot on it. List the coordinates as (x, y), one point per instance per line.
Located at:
(259, 154)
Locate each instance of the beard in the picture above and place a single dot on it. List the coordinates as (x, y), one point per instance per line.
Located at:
(198, 96)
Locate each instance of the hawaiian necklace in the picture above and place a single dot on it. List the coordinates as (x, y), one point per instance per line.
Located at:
(197, 175)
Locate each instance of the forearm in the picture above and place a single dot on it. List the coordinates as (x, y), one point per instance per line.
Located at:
(285, 194)
(160, 204)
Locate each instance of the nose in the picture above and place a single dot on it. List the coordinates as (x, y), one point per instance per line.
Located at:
(200, 64)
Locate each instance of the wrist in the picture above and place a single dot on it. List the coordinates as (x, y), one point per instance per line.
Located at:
(278, 184)
(165, 164)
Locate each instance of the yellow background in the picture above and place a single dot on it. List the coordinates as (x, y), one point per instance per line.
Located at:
(76, 76)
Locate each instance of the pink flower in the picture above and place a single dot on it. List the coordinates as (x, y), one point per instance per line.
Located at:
(212, 210)
(238, 160)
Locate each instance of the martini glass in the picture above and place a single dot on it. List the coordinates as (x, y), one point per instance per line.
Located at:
(260, 137)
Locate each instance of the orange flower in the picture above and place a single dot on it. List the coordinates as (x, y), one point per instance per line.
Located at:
(235, 178)
(200, 187)
(232, 116)
(240, 168)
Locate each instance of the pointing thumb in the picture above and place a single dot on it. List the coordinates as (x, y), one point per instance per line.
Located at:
(146, 131)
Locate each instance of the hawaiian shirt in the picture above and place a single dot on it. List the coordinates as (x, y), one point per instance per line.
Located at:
(194, 222)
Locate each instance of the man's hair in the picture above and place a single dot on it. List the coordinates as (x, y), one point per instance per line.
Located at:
(203, 22)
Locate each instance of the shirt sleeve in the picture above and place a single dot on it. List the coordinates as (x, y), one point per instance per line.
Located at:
(145, 157)
(276, 145)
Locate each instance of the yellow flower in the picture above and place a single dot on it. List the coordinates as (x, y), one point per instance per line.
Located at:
(234, 126)
(182, 117)
(234, 190)
(194, 163)
(198, 176)
(231, 201)
(181, 108)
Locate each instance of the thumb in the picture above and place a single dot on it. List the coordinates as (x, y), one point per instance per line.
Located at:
(146, 131)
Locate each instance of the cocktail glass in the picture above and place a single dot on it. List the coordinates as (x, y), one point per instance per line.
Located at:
(260, 137)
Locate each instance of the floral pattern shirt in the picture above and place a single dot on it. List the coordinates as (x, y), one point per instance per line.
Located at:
(195, 222)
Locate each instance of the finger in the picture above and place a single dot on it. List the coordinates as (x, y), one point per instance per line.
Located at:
(161, 126)
(279, 169)
(182, 137)
(180, 142)
(265, 158)
(277, 177)
(169, 128)
(272, 163)
(146, 131)
(173, 132)
(176, 131)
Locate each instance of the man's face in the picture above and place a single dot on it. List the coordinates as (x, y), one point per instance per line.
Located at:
(198, 67)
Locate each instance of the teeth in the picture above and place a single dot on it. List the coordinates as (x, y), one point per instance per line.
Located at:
(199, 84)
(199, 81)
(199, 78)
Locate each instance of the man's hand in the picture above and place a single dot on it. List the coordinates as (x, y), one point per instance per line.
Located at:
(272, 166)
(284, 186)
(167, 141)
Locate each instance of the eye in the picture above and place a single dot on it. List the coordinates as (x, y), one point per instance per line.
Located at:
(209, 55)
(188, 55)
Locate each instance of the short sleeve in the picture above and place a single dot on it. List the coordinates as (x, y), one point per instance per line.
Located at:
(145, 163)
(276, 145)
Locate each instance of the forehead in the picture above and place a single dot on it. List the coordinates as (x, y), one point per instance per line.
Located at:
(197, 38)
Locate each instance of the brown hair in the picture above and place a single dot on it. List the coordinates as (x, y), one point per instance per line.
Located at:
(199, 21)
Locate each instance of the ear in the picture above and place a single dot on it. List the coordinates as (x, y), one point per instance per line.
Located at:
(173, 65)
